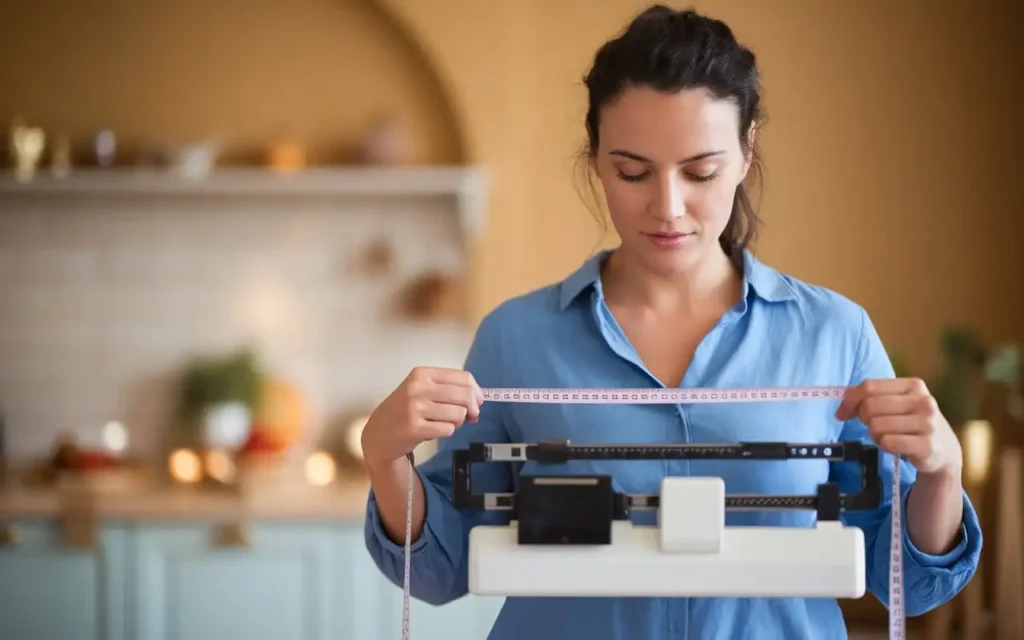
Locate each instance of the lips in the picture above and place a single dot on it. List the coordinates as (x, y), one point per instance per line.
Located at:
(668, 235)
(669, 239)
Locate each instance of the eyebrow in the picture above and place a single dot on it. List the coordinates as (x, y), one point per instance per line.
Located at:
(640, 158)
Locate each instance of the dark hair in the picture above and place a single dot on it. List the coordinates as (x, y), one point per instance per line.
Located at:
(672, 50)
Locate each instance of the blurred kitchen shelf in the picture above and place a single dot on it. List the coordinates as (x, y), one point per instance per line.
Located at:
(468, 185)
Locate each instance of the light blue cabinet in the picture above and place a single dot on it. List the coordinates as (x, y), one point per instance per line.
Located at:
(376, 604)
(469, 618)
(50, 592)
(205, 580)
(189, 585)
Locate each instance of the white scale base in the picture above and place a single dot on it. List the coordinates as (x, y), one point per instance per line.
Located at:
(690, 554)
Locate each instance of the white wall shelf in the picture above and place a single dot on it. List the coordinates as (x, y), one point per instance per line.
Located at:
(112, 278)
(468, 185)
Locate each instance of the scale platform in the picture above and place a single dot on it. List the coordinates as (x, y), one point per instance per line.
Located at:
(570, 536)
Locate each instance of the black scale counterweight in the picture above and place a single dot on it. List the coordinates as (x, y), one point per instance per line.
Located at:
(581, 509)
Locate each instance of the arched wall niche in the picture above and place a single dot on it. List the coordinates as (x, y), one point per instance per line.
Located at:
(422, 28)
(148, 279)
(240, 73)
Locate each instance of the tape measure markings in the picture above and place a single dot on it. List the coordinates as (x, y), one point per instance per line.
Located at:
(406, 582)
(897, 614)
(662, 396)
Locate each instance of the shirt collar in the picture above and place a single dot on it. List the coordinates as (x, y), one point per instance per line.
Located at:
(770, 285)
(765, 282)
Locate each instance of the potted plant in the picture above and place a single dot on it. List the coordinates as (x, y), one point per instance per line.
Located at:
(969, 370)
(218, 397)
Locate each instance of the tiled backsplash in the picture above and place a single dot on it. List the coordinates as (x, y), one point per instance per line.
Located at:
(102, 299)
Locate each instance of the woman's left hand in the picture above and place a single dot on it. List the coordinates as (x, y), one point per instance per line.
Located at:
(903, 418)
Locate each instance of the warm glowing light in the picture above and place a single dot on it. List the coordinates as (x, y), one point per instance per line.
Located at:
(320, 469)
(185, 466)
(977, 450)
(220, 466)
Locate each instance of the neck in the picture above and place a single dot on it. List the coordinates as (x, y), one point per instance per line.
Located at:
(712, 282)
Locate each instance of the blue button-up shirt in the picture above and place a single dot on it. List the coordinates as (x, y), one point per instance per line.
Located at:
(783, 332)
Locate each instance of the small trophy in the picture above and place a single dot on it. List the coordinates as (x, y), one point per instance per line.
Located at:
(27, 145)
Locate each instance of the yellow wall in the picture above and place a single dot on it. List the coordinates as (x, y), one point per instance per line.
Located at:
(889, 122)
(892, 123)
(180, 71)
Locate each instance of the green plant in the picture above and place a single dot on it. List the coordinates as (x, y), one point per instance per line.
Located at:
(899, 366)
(206, 382)
(969, 369)
(1004, 366)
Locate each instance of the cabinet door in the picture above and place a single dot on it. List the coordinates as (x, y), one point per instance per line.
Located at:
(468, 618)
(50, 592)
(206, 581)
(364, 593)
(376, 611)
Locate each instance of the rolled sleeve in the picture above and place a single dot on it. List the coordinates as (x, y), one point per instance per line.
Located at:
(961, 557)
(439, 556)
(380, 537)
(929, 580)
(442, 525)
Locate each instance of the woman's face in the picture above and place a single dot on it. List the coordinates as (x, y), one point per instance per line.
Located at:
(670, 165)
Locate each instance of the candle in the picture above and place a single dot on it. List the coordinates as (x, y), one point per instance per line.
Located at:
(977, 440)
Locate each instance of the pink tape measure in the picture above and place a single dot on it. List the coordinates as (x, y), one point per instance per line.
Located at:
(897, 614)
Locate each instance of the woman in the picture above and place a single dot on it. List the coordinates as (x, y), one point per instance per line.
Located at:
(672, 127)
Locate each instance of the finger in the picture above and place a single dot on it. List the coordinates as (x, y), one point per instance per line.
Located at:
(905, 445)
(425, 389)
(478, 390)
(884, 386)
(887, 405)
(455, 377)
(855, 395)
(851, 402)
(432, 429)
(478, 393)
(456, 395)
(896, 425)
(450, 376)
(456, 414)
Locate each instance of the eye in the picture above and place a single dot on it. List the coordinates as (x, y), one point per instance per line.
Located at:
(703, 172)
(632, 177)
(703, 177)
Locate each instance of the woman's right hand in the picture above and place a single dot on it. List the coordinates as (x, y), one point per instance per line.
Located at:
(430, 403)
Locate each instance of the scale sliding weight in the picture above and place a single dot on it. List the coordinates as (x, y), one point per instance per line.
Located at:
(570, 536)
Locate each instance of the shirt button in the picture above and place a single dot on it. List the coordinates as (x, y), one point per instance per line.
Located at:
(673, 627)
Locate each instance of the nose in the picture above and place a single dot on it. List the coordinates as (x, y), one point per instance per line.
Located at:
(669, 202)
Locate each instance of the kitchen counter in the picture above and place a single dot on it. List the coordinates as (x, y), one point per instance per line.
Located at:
(342, 500)
(285, 559)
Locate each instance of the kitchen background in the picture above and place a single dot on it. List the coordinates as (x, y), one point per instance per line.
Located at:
(228, 229)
